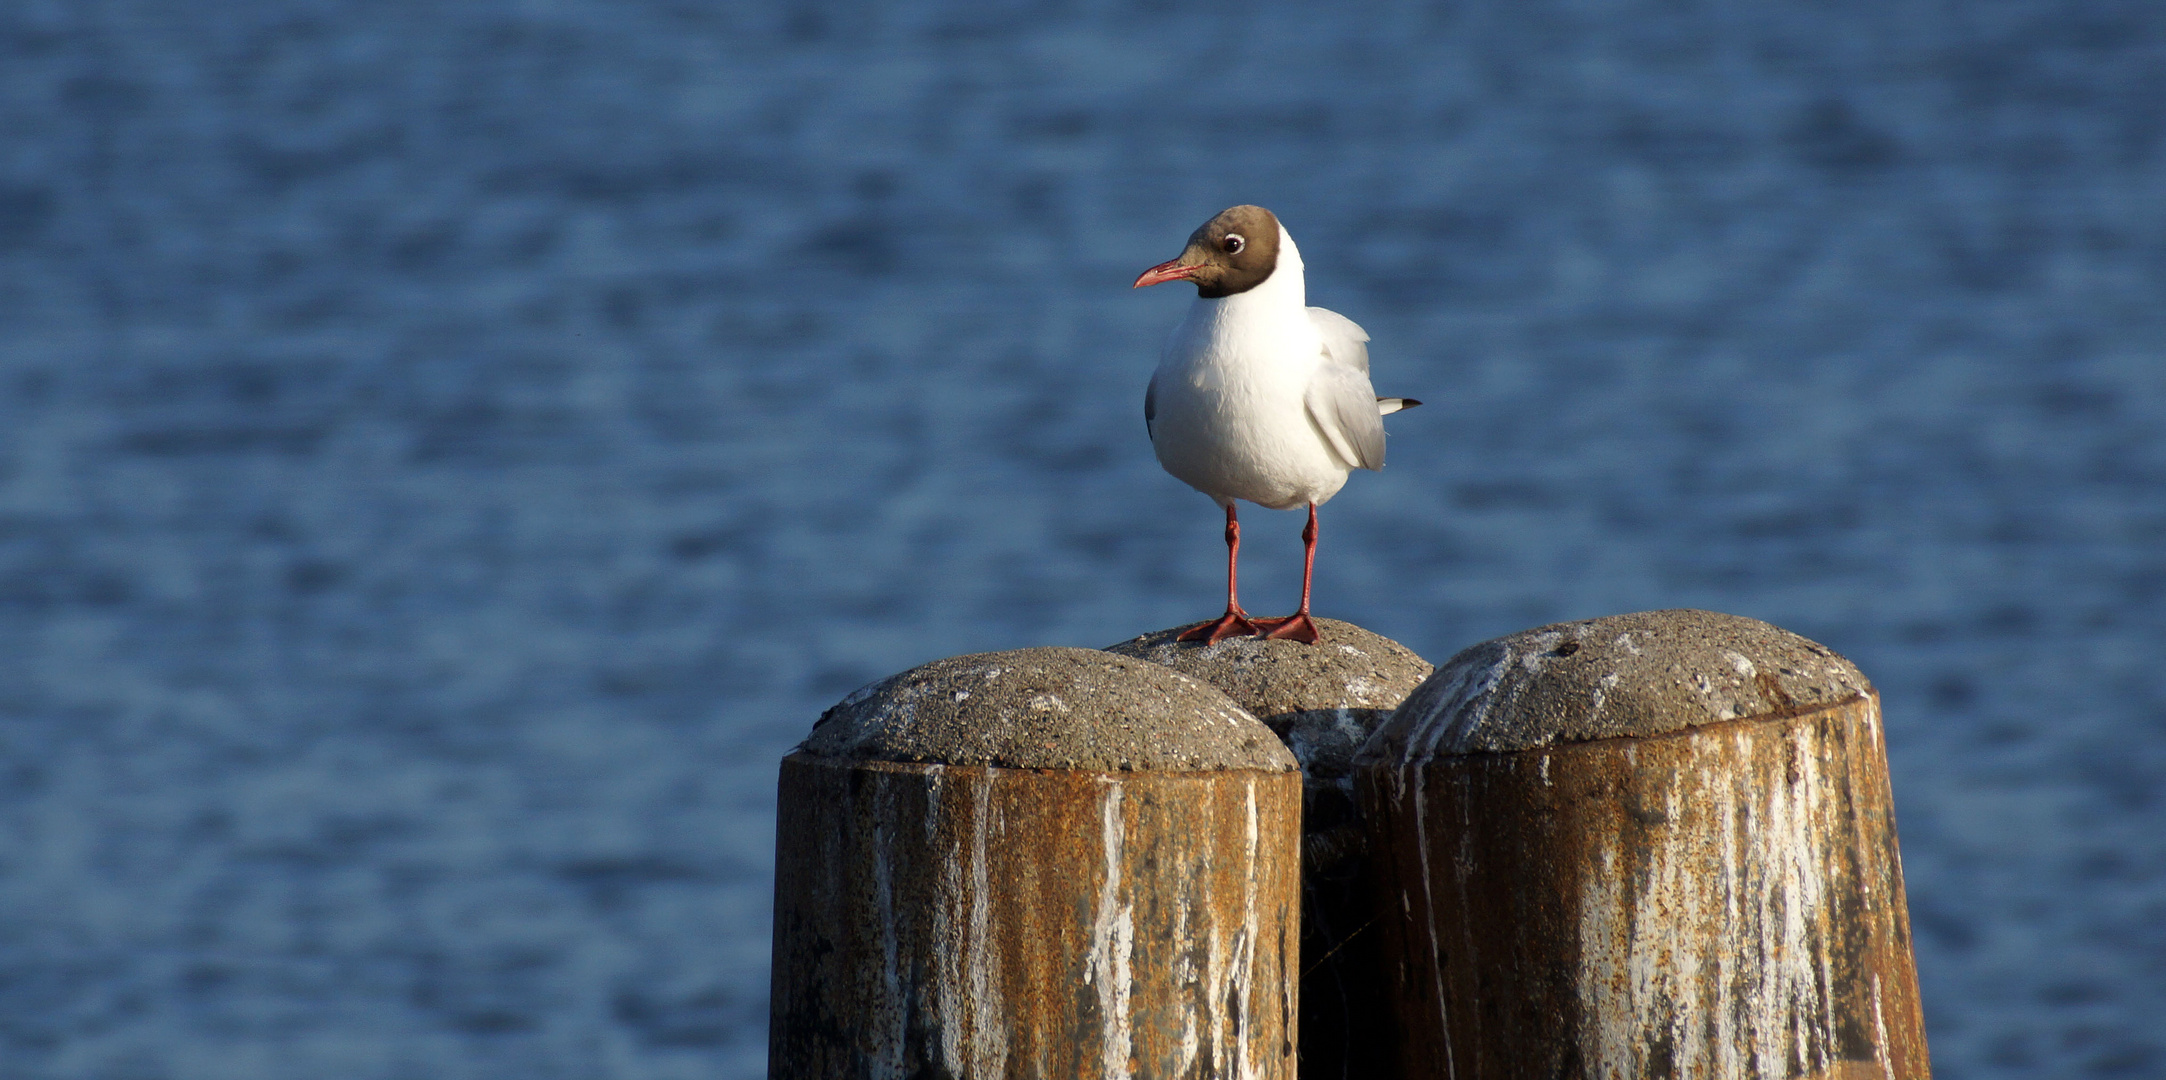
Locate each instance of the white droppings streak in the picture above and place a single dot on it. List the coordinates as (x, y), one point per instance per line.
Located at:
(1185, 973)
(1462, 707)
(1250, 788)
(988, 1020)
(1214, 980)
(1763, 1005)
(1246, 1067)
(1599, 698)
(1604, 933)
(1112, 944)
(1880, 1027)
(1725, 1033)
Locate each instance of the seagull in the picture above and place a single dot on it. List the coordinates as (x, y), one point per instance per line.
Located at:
(1259, 396)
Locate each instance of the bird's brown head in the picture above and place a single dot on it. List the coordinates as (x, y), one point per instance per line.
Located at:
(1231, 253)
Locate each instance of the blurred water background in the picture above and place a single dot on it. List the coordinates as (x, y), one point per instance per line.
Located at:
(449, 452)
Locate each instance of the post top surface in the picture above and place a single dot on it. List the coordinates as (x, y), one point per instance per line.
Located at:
(1047, 708)
(1322, 700)
(1647, 673)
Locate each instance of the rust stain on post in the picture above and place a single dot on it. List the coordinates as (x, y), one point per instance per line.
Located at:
(984, 922)
(1040, 863)
(1723, 900)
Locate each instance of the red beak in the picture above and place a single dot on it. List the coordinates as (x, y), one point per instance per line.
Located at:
(1170, 270)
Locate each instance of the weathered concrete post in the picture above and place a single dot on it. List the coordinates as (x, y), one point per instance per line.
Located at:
(1323, 700)
(1047, 862)
(1651, 845)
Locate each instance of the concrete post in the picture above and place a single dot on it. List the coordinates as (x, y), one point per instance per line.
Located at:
(1323, 701)
(1651, 845)
(1047, 862)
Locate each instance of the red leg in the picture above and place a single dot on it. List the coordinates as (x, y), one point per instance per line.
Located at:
(1235, 622)
(1298, 626)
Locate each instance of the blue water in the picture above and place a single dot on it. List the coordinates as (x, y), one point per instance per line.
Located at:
(448, 452)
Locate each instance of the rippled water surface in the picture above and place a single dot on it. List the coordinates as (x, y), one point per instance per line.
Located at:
(448, 452)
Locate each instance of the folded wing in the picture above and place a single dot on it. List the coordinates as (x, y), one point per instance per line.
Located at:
(1342, 406)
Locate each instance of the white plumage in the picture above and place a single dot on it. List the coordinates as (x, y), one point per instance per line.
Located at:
(1260, 397)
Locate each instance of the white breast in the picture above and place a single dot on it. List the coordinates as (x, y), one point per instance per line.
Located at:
(1229, 397)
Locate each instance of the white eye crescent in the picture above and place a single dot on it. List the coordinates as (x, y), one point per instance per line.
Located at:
(1233, 243)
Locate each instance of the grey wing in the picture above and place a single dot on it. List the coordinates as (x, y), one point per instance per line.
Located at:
(1341, 403)
(1343, 338)
(1150, 406)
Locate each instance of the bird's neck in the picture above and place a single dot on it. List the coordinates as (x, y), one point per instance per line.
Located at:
(1283, 295)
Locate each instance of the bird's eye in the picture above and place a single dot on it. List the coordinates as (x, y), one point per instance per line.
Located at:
(1233, 243)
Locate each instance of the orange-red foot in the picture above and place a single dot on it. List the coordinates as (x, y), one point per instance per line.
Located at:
(1234, 623)
(1297, 627)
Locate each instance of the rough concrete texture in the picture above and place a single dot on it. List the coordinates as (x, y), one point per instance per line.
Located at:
(1645, 673)
(1047, 708)
(1322, 700)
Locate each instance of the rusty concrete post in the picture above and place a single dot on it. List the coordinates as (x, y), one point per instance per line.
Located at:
(1651, 845)
(1323, 701)
(1040, 863)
